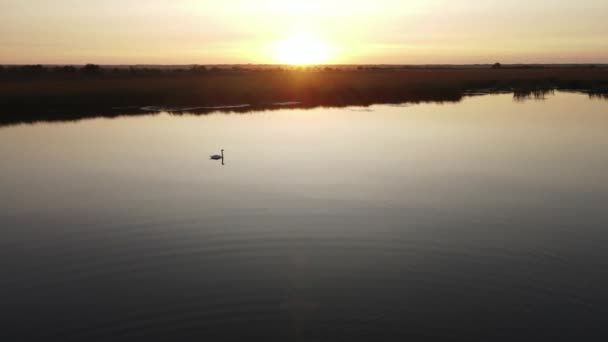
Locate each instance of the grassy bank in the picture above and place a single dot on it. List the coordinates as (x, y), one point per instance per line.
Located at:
(32, 98)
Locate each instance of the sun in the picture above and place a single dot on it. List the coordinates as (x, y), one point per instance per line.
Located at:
(303, 49)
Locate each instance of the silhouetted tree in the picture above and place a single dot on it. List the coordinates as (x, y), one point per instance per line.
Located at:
(497, 66)
(1, 69)
(92, 69)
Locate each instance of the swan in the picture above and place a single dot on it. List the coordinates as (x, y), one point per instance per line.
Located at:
(217, 156)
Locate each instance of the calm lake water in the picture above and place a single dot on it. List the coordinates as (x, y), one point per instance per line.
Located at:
(485, 220)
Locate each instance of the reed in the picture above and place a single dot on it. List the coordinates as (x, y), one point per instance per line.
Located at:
(60, 96)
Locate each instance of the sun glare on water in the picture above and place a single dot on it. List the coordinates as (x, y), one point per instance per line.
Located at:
(303, 49)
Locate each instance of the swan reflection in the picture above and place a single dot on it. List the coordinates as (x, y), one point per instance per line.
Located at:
(218, 156)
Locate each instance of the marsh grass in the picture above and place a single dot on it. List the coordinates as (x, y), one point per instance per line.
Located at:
(49, 97)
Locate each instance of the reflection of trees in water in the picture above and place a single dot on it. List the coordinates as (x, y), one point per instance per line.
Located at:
(601, 96)
(20, 115)
(521, 95)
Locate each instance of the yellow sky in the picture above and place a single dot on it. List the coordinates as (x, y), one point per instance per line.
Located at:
(245, 31)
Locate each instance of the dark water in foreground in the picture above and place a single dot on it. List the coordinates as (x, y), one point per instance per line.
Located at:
(485, 220)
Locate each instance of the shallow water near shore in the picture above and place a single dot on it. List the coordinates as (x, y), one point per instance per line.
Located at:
(479, 220)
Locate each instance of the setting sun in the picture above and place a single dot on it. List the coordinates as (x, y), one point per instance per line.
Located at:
(303, 49)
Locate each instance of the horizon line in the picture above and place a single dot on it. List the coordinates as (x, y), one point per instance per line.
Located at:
(313, 65)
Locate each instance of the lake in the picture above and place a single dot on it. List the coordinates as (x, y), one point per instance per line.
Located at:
(483, 220)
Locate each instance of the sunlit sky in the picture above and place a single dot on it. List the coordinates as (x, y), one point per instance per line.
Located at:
(306, 31)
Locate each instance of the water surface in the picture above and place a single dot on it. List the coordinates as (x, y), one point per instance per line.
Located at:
(484, 220)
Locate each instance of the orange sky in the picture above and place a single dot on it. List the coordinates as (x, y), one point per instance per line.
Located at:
(270, 31)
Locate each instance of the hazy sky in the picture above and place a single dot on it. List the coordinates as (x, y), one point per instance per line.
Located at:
(246, 31)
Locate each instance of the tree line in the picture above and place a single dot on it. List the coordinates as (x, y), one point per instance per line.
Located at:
(95, 70)
(38, 69)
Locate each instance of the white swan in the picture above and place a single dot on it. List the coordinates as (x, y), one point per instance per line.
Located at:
(217, 156)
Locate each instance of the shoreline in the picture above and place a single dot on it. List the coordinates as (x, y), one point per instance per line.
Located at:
(33, 99)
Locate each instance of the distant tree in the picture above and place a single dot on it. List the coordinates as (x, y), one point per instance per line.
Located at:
(1, 69)
(497, 66)
(92, 69)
